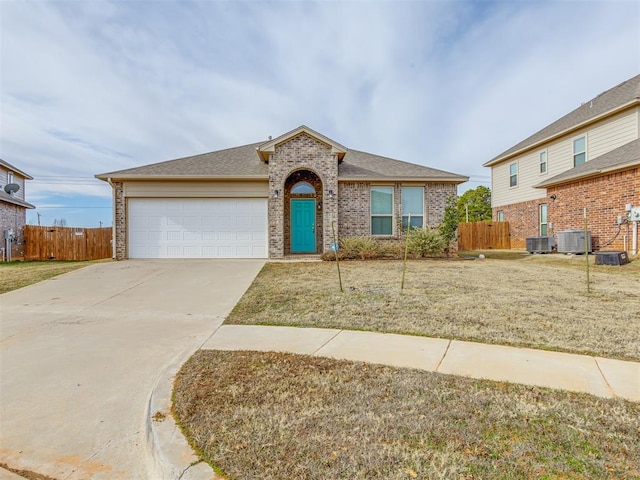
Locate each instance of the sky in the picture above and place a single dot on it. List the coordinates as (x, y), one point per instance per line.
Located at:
(88, 87)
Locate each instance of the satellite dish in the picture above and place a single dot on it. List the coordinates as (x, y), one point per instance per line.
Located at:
(11, 188)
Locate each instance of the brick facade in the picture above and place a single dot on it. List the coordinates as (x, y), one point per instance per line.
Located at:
(302, 153)
(13, 217)
(304, 157)
(354, 206)
(604, 197)
(120, 221)
(523, 220)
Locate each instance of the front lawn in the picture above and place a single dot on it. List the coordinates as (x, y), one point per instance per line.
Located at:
(533, 301)
(289, 417)
(14, 275)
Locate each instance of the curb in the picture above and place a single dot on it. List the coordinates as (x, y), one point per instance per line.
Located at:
(169, 455)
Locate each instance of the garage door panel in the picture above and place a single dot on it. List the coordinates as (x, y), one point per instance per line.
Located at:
(197, 228)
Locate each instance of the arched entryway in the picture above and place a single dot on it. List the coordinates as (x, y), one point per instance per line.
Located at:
(303, 213)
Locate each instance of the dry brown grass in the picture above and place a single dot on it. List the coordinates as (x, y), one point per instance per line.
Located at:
(534, 301)
(280, 416)
(14, 275)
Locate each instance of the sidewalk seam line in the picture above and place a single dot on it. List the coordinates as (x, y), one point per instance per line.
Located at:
(606, 382)
(211, 335)
(326, 343)
(446, 350)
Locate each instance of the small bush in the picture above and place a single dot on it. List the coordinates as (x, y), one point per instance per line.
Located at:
(423, 242)
(359, 247)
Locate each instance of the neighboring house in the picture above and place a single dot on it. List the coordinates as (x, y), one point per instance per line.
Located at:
(13, 207)
(271, 199)
(590, 158)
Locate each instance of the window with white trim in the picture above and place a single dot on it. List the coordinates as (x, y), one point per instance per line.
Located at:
(381, 210)
(500, 215)
(543, 219)
(513, 174)
(543, 162)
(579, 151)
(412, 204)
(9, 177)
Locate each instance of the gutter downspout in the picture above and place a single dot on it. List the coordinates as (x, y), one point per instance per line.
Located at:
(634, 241)
(113, 221)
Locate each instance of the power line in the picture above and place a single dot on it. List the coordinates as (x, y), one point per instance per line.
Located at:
(67, 206)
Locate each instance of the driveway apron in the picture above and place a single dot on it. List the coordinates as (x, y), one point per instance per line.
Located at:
(80, 354)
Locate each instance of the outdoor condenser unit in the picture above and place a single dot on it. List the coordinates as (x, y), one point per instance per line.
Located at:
(572, 241)
(540, 244)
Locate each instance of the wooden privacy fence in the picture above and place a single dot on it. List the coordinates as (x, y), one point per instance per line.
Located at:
(483, 236)
(67, 243)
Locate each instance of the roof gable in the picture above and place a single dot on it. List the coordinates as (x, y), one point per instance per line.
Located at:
(612, 101)
(249, 162)
(269, 147)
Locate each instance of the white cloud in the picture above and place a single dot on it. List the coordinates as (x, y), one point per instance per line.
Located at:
(90, 87)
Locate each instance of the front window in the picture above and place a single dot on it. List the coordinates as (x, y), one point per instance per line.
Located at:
(412, 204)
(543, 219)
(543, 162)
(513, 175)
(381, 210)
(579, 151)
(9, 177)
(301, 188)
(500, 216)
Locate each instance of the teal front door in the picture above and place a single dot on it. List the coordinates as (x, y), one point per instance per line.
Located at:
(303, 226)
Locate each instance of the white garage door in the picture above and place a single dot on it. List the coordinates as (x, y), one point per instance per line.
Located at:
(197, 228)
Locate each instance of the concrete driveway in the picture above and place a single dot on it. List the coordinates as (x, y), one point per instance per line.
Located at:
(80, 354)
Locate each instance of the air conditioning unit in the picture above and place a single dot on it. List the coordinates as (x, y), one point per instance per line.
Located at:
(572, 241)
(540, 244)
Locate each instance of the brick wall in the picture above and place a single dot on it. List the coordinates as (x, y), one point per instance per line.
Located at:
(354, 209)
(436, 196)
(523, 220)
(13, 217)
(604, 197)
(354, 206)
(120, 222)
(302, 152)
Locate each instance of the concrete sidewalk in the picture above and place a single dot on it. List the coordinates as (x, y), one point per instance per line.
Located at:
(578, 373)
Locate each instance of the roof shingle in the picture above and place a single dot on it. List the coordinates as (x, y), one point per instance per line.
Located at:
(245, 162)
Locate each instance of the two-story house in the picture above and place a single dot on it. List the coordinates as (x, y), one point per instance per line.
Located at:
(590, 158)
(13, 207)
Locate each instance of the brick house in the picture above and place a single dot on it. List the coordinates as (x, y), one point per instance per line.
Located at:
(271, 199)
(589, 158)
(13, 207)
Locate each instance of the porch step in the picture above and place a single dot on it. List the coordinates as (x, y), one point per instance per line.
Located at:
(299, 258)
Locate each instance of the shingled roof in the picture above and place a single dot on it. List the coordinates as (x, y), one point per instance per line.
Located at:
(245, 162)
(607, 103)
(626, 156)
(13, 169)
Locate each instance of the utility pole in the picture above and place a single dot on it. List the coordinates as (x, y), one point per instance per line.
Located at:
(100, 223)
(38, 213)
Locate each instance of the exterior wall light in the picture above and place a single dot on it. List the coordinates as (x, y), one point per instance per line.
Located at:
(275, 193)
(331, 194)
